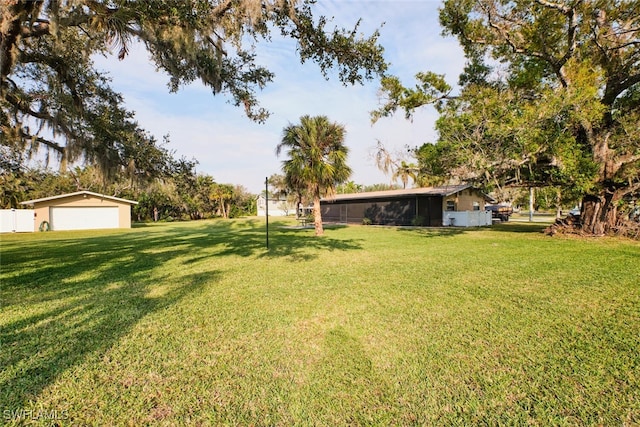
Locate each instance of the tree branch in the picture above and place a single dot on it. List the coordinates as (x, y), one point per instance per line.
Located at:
(505, 33)
(616, 86)
(562, 8)
(53, 145)
(625, 160)
(14, 101)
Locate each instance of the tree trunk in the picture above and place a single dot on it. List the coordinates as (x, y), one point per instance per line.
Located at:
(531, 203)
(317, 216)
(599, 211)
(222, 210)
(598, 214)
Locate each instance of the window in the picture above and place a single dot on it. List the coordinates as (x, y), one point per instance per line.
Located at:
(451, 205)
(476, 206)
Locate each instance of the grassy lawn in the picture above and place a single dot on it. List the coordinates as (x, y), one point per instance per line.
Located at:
(197, 323)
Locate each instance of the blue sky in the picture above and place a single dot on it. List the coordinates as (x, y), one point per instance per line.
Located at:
(233, 149)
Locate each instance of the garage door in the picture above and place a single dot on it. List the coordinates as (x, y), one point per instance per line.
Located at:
(83, 218)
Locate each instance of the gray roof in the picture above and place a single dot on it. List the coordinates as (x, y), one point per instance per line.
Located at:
(445, 190)
(78, 193)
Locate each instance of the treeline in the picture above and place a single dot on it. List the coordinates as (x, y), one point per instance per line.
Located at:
(178, 194)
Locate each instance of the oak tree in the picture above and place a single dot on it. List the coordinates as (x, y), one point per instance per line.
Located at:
(52, 97)
(550, 96)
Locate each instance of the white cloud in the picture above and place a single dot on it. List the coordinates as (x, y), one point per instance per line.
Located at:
(235, 150)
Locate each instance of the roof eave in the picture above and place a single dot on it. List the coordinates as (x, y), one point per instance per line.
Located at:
(78, 193)
(446, 191)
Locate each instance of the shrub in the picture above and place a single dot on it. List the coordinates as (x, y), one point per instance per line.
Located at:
(418, 220)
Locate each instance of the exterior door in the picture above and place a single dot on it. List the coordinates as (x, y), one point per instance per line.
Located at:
(343, 213)
(83, 218)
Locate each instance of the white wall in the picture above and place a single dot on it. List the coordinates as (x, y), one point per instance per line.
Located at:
(276, 207)
(466, 218)
(17, 220)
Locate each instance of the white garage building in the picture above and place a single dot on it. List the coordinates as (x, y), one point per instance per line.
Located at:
(83, 210)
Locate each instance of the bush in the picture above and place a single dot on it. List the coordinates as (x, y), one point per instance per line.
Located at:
(418, 220)
(366, 221)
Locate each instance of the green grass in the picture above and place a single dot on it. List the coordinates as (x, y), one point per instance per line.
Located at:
(197, 323)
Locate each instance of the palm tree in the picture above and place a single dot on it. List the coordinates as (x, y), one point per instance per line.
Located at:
(317, 159)
(405, 171)
(222, 195)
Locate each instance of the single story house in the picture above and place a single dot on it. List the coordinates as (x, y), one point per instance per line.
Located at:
(83, 210)
(277, 207)
(460, 205)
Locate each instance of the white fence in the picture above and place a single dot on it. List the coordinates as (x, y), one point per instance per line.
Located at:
(16, 220)
(466, 218)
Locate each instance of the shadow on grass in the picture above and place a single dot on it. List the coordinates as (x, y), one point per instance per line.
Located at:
(302, 244)
(53, 331)
(520, 227)
(345, 365)
(65, 296)
(508, 227)
(436, 231)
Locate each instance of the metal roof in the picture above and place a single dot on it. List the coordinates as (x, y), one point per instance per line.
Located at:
(78, 193)
(445, 190)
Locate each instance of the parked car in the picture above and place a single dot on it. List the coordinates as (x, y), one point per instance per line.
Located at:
(575, 211)
(501, 212)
